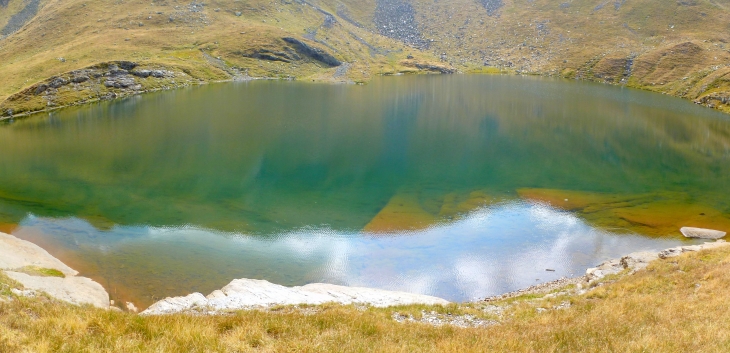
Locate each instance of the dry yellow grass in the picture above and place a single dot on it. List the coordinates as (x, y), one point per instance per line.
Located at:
(676, 305)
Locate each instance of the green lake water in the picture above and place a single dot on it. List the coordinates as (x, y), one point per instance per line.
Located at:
(444, 185)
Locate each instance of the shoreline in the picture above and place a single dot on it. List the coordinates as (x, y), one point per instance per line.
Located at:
(192, 81)
(83, 103)
(629, 263)
(17, 256)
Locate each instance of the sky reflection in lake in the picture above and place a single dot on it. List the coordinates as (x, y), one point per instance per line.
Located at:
(491, 251)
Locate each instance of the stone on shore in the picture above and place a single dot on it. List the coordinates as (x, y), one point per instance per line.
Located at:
(679, 250)
(632, 262)
(640, 260)
(702, 233)
(16, 254)
(243, 294)
(75, 290)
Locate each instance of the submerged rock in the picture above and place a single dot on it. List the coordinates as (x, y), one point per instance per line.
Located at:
(243, 294)
(702, 233)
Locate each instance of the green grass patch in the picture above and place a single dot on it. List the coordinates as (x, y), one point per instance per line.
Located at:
(41, 271)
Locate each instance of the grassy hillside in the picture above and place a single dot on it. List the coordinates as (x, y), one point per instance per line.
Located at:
(675, 305)
(679, 48)
(202, 42)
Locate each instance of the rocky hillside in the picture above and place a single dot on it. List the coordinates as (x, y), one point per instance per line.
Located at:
(15, 14)
(677, 47)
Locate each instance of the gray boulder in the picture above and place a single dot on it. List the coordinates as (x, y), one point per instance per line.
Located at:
(120, 82)
(141, 73)
(79, 79)
(159, 73)
(58, 82)
(127, 65)
(40, 89)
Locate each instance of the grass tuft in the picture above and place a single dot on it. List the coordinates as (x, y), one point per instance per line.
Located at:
(41, 271)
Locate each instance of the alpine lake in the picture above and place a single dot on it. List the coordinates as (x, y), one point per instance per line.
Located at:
(458, 186)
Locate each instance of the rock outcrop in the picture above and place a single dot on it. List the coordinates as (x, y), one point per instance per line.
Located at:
(312, 52)
(242, 294)
(631, 263)
(17, 254)
(639, 260)
(103, 81)
(429, 67)
(72, 289)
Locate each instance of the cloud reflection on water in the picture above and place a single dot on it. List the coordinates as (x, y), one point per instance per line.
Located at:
(490, 251)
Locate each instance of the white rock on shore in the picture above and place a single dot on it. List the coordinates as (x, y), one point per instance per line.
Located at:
(639, 260)
(632, 262)
(72, 289)
(250, 294)
(702, 233)
(16, 254)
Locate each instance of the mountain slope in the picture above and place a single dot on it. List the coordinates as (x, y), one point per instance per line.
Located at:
(676, 47)
(15, 14)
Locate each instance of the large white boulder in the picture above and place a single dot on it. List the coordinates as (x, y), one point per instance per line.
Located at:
(242, 294)
(72, 289)
(702, 233)
(16, 254)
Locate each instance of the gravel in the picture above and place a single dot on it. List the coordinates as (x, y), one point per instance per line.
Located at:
(541, 288)
(397, 19)
(19, 20)
(435, 319)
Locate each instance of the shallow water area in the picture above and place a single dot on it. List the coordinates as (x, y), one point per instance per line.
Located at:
(456, 186)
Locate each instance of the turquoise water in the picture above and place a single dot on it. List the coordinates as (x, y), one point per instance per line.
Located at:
(407, 183)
